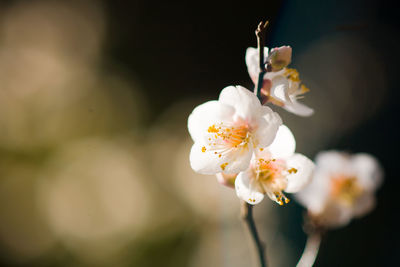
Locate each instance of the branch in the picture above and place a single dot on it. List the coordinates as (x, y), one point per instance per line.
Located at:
(260, 33)
(311, 250)
(247, 216)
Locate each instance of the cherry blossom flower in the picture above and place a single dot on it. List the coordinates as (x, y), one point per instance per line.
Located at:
(343, 188)
(281, 86)
(275, 169)
(227, 131)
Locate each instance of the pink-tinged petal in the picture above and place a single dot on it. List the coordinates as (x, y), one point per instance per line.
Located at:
(300, 170)
(205, 115)
(246, 104)
(367, 170)
(284, 144)
(364, 204)
(248, 189)
(226, 179)
(280, 57)
(206, 160)
(334, 216)
(298, 108)
(267, 127)
(252, 62)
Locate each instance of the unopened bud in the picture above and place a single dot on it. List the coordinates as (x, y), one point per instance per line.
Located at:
(280, 57)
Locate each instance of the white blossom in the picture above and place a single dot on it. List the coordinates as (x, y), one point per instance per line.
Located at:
(281, 86)
(275, 169)
(343, 188)
(227, 131)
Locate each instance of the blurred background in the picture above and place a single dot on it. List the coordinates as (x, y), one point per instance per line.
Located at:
(94, 99)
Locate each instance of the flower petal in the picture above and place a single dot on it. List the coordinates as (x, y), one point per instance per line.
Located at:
(248, 189)
(284, 143)
(300, 174)
(280, 57)
(268, 126)
(298, 108)
(252, 62)
(246, 104)
(226, 179)
(315, 195)
(207, 161)
(205, 115)
(332, 162)
(368, 170)
(280, 87)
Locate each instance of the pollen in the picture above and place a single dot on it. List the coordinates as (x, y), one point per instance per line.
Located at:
(292, 170)
(229, 136)
(223, 166)
(203, 149)
(292, 75)
(212, 129)
(304, 89)
(280, 198)
(345, 188)
(261, 149)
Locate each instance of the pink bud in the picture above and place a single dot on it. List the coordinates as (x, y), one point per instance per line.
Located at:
(280, 57)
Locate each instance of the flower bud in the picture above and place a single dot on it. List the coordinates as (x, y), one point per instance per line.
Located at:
(280, 57)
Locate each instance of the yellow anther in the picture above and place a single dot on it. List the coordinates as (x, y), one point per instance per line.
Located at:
(292, 170)
(223, 166)
(304, 89)
(212, 129)
(203, 149)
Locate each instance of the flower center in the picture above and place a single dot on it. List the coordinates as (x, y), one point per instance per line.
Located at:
(271, 175)
(228, 136)
(345, 189)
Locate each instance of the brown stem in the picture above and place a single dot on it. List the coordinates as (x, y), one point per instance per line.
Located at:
(247, 216)
(260, 33)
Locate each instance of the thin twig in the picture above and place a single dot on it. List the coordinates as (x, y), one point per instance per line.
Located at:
(247, 216)
(311, 250)
(260, 33)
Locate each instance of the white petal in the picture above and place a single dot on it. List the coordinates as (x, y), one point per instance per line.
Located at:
(364, 204)
(252, 62)
(205, 115)
(207, 162)
(246, 104)
(333, 162)
(315, 195)
(248, 189)
(268, 126)
(367, 170)
(335, 215)
(298, 108)
(297, 180)
(284, 143)
(280, 87)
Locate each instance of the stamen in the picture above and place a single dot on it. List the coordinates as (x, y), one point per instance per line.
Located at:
(223, 165)
(345, 188)
(224, 137)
